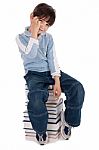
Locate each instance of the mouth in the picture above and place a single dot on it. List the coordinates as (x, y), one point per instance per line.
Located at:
(40, 30)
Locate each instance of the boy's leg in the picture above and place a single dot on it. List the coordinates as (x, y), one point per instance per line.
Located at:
(74, 93)
(38, 95)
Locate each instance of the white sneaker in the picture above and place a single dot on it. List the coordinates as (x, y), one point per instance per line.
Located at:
(65, 128)
(42, 139)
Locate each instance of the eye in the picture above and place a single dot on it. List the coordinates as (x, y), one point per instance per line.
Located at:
(47, 24)
(40, 19)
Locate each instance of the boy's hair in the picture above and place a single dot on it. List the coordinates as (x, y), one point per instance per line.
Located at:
(46, 12)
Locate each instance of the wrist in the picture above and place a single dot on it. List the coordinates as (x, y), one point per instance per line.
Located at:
(56, 78)
(33, 32)
(34, 35)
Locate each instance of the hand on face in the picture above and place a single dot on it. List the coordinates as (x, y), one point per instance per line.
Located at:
(34, 26)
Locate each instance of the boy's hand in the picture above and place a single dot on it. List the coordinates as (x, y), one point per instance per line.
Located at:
(57, 87)
(57, 90)
(35, 25)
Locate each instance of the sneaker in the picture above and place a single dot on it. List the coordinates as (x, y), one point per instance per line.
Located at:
(42, 139)
(65, 128)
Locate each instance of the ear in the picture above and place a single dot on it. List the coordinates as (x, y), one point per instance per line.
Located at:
(31, 16)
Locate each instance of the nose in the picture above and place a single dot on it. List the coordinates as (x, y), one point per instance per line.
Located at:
(42, 25)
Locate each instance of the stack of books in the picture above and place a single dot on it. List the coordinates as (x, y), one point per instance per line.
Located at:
(54, 107)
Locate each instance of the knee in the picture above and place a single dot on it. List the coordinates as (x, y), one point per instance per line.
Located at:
(35, 95)
(80, 93)
(33, 103)
(36, 102)
(76, 96)
(81, 90)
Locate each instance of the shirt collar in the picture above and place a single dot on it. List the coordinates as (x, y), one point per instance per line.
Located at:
(27, 32)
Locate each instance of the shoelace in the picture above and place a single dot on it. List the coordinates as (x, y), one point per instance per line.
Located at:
(40, 137)
(69, 131)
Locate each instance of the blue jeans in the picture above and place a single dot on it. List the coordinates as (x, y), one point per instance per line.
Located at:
(38, 83)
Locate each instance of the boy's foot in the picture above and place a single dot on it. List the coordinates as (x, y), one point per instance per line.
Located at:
(65, 128)
(42, 139)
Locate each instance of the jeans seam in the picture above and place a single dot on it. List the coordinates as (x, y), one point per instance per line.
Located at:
(41, 132)
(73, 125)
(45, 90)
(78, 107)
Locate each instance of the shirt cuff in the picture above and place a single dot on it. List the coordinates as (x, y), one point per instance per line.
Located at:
(55, 74)
(32, 40)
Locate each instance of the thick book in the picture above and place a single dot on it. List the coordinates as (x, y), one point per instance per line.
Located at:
(50, 138)
(50, 133)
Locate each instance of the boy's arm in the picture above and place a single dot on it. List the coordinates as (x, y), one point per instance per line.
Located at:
(29, 47)
(52, 60)
(54, 67)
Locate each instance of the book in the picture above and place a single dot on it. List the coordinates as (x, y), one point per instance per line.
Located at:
(50, 139)
(51, 132)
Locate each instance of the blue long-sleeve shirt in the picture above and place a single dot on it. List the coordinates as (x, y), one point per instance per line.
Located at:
(38, 54)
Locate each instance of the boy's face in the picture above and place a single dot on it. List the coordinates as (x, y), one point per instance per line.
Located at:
(43, 25)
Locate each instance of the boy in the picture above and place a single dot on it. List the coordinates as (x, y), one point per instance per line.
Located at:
(41, 67)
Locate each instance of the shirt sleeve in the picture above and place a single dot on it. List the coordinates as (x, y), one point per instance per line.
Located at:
(52, 59)
(27, 48)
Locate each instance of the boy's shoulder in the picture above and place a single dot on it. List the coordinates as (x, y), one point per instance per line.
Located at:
(49, 36)
(20, 37)
(25, 33)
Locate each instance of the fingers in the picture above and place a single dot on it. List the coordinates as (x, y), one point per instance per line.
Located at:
(57, 93)
(35, 18)
(35, 21)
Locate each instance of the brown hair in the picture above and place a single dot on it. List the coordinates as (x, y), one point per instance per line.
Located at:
(45, 11)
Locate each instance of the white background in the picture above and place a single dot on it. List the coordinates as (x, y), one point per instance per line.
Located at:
(76, 36)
